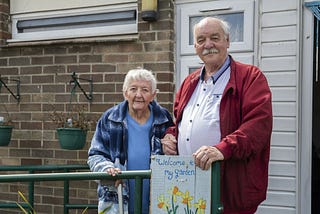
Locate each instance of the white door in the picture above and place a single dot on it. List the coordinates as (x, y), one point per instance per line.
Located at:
(240, 16)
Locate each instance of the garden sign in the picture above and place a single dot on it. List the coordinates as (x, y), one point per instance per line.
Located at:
(178, 186)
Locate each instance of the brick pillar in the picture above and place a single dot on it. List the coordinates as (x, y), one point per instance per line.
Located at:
(4, 21)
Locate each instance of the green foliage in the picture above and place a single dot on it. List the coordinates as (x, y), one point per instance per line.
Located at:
(7, 121)
(77, 118)
(31, 210)
(105, 210)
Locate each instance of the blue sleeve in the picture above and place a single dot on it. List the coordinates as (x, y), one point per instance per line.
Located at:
(98, 155)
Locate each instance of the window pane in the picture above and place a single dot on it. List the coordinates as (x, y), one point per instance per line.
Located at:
(192, 69)
(235, 20)
(75, 23)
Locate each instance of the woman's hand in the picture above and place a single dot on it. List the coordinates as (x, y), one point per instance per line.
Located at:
(114, 172)
(169, 145)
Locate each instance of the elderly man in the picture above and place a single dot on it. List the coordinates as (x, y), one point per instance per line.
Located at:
(223, 113)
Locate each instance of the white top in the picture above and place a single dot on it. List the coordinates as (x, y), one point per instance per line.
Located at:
(200, 124)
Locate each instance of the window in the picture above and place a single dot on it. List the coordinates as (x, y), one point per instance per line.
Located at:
(238, 13)
(35, 21)
(236, 26)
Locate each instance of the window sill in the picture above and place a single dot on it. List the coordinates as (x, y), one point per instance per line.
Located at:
(116, 38)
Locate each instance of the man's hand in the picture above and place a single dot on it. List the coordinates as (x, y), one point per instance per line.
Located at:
(169, 145)
(206, 155)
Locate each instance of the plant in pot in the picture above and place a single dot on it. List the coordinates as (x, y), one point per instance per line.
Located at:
(72, 127)
(6, 127)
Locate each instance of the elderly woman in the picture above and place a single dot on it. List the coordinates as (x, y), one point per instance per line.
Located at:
(127, 135)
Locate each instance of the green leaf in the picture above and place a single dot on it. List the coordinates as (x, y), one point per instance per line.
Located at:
(21, 208)
(84, 211)
(25, 200)
(105, 210)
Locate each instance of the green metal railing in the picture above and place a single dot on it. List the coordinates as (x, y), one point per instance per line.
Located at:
(31, 169)
(66, 176)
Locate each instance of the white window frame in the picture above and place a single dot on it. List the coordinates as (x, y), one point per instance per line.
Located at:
(216, 8)
(74, 32)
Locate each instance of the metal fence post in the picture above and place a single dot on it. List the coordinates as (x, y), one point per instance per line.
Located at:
(138, 196)
(31, 191)
(216, 206)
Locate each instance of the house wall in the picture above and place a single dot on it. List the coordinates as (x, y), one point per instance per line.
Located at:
(45, 71)
(277, 35)
(279, 60)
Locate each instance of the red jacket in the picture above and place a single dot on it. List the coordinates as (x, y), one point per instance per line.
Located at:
(246, 126)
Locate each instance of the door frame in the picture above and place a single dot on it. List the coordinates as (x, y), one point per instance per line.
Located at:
(305, 112)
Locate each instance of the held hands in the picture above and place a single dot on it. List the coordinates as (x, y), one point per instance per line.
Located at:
(206, 155)
(169, 144)
(114, 172)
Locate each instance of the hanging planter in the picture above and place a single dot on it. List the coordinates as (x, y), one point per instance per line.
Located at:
(72, 138)
(6, 123)
(5, 135)
(5, 129)
(72, 130)
(73, 124)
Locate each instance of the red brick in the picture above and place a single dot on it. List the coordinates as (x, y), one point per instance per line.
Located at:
(28, 51)
(103, 68)
(116, 58)
(31, 161)
(19, 61)
(8, 70)
(31, 125)
(78, 69)
(54, 69)
(80, 49)
(42, 79)
(90, 58)
(55, 50)
(30, 107)
(30, 70)
(65, 59)
(43, 60)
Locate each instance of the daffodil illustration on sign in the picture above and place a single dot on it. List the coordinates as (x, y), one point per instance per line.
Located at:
(201, 206)
(178, 198)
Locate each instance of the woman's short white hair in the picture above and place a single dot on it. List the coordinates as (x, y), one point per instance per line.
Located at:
(139, 74)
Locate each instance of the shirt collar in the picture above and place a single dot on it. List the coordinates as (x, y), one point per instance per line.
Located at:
(216, 75)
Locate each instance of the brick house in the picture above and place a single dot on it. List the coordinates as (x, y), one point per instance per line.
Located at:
(42, 44)
(44, 69)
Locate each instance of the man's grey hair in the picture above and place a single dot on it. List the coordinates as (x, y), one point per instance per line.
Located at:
(223, 24)
(139, 74)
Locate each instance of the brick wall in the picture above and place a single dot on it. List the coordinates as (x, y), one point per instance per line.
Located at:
(4, 21)
(45, 71)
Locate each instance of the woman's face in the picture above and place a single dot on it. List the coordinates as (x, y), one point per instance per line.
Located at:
(139, 94)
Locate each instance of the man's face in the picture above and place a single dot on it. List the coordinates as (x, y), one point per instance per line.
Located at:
(211, 43)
